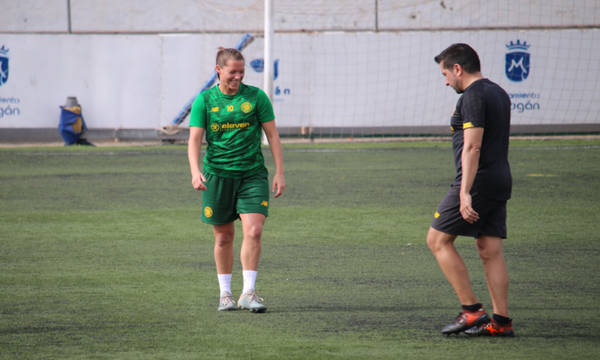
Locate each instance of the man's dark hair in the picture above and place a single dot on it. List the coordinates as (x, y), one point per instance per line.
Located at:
(461, 54)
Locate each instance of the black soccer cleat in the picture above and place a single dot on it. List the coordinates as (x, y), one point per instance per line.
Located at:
(466, 320)
(491, 328)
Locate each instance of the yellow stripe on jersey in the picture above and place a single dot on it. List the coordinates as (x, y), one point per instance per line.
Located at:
(468, 125)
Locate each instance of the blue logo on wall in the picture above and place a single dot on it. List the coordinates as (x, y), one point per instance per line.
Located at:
(3, 65)
(517, 61)
(259, 66)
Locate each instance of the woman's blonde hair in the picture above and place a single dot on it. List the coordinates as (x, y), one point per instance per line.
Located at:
(225, 54)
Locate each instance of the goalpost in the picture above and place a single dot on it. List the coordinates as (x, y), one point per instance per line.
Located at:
(268, 49)
(374, 75)
(350, 69)
(268, 56)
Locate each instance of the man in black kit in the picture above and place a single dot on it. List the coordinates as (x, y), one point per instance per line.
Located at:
(475, 205)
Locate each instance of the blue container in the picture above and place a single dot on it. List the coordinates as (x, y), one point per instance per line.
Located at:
(71, 124)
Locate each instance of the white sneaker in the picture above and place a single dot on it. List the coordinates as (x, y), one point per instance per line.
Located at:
(226, 303)
(252, 302)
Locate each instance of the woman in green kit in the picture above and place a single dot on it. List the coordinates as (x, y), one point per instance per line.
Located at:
(234, 177)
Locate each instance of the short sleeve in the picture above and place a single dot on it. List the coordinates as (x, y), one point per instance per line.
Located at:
(264, 108)
(473, 110)
(198, 113)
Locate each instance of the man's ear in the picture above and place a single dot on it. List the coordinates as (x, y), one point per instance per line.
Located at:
(458, 70)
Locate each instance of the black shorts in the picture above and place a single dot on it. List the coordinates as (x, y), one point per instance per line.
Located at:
(492, 216)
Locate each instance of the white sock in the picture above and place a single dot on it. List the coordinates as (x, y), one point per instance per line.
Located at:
(249, 280)
(224, 283)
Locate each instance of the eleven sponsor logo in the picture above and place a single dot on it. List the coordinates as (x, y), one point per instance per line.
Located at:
(228, 126)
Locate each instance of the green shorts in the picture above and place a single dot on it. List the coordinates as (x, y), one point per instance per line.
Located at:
(225, 198)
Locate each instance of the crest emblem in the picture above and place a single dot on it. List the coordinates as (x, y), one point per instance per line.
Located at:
(517, 61)
(3, 65)
(215, 127)
(246, 107)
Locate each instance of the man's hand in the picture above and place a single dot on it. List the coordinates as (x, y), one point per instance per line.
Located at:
(466, 209)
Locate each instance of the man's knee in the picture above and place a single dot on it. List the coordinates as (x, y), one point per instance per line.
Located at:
(489, 247)
(436, 240)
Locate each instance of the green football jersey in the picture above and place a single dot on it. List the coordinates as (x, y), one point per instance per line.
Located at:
(233, 129)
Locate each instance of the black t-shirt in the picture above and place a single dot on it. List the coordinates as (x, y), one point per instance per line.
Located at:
(486, 105)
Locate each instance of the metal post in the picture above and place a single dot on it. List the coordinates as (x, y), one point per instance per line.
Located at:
(268, 50)
(268, 55)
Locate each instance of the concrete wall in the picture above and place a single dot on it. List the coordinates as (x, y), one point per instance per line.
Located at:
(477, 14)
(23, 16)
(158, 16)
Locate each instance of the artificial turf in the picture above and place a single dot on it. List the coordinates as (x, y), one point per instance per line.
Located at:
(103, 256)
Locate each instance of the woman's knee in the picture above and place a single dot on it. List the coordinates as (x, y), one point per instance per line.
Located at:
(223, 235)
(253, 231)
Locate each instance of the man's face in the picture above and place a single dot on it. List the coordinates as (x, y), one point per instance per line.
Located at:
(231, 75)
(452, 77)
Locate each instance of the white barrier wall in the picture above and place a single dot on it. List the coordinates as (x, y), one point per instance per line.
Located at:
(142, 75)
(324, 79)
(390, 79)
(116, 79)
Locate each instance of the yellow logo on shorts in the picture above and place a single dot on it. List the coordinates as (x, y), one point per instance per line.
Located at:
(215, 127)
(208, 212)
(436, 215)
(246, 107)
(264, 203)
